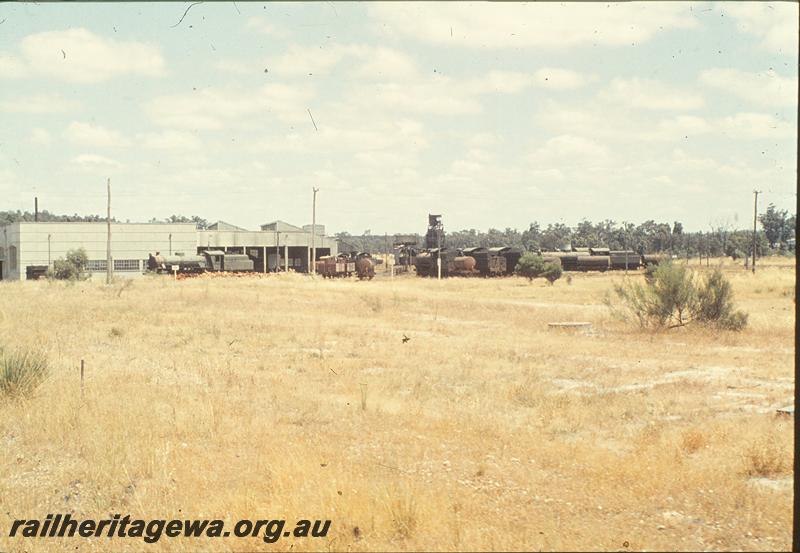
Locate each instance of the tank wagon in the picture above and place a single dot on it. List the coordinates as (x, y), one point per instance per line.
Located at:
(209, 260)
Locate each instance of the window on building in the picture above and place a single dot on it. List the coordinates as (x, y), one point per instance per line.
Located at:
(126, 264)
(96, 265)
(12, 258)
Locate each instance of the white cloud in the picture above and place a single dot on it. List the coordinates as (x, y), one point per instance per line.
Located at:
(483, 140)
(40, 137)
(500, 82)
(650, 94)
(465, 167)
(316, 60)
(679, 127)
(559, 79)
(170, 140)
(755, 125)
(38, 103)
(78, 55)
(437, 95)
(87, 134)
(261, 25)
(94, 162)
(217, 108)
(515, 25)
(396, 136)
(11, 67)
(767, 88)
(773, 23)
(385, 63)
(570, 150)
(236, 67)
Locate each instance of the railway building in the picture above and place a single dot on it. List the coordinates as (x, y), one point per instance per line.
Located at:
(27, 249)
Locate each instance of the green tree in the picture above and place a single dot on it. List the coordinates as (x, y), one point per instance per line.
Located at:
(555, 236)
(774, 222)
(71, 268)
(552, 271)
(530, 265)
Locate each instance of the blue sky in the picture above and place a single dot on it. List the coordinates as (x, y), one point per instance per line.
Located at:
(491, 114)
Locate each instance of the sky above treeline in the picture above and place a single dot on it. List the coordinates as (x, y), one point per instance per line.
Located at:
(492, 114)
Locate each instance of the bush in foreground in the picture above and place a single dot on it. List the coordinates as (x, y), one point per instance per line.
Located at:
(672, 296)
(21, 372)
(532, 266)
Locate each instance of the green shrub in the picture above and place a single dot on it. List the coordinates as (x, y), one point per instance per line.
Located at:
(672, 297)
(71, 268)
(21, 372)
(715, 303)
(552, 271)
(530, 265)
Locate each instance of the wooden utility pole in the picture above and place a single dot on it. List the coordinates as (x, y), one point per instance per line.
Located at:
(314, 231)
(755, 230)
(109, 267)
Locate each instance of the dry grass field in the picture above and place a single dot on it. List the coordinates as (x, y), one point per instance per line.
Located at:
(291, 397)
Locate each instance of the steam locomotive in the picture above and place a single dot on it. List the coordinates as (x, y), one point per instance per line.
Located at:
(209, 260)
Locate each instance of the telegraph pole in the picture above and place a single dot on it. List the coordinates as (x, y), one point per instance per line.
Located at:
(755, 230)
(109, 267)
(314, 231)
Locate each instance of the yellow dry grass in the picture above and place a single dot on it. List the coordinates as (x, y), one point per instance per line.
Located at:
(296, 398)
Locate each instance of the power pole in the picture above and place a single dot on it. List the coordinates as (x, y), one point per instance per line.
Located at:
(314, 231)
(109, 267)
(755, 230)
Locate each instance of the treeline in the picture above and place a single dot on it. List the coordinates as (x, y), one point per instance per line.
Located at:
(777, 227)
(47, 217)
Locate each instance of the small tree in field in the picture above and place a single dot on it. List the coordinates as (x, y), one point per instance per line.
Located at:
(672, 297)
(552, 271)
(71, 268)
(530, 265)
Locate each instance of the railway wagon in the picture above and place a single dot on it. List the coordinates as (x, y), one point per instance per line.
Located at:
(625, 259)
(346, 265)
(511, 256)
(330, 266)
(218, 260)
(593, 263)
(486, 263)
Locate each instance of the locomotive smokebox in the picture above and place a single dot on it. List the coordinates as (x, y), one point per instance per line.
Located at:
(365, 268)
